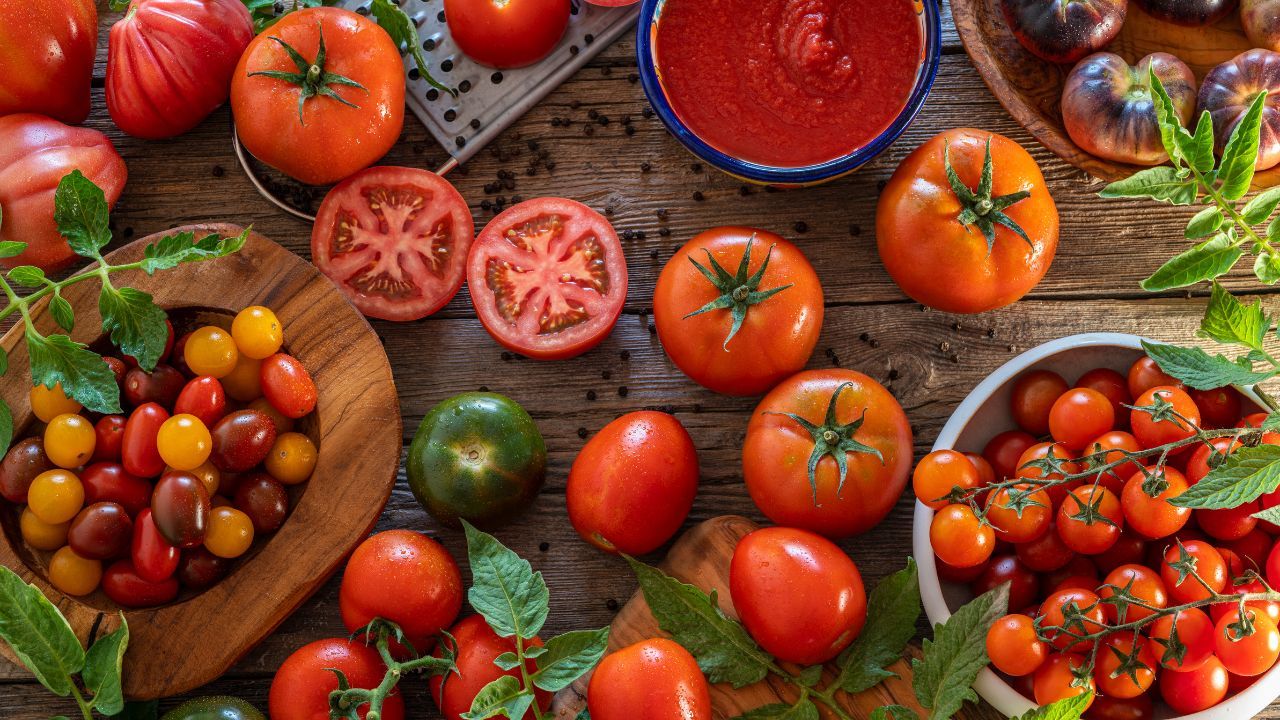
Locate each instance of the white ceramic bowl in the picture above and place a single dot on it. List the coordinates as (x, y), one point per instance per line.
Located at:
(985, 413)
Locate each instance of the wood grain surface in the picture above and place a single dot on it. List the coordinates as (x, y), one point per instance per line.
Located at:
(930, 360)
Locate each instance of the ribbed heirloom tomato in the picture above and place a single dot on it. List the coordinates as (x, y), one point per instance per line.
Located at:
(738, 310)
(46, 58)
(827, 451)
(653, 679)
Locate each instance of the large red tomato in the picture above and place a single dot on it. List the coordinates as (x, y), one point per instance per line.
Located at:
(653, 679)
(394, 240)
(827, 451)
(548, 278)
(169, 63)
(405, 577)
(46, 57)
(739, 334)
(300, 690)
(632, 485)
(35, 153)
(933, 236)
(507, 33)
(825, 606)
(307, 120)
(478, 645)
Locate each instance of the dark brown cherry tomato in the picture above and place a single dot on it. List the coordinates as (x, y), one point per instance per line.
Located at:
(160, 386)
(122, 584)
(1229, 89)
(154, 558)
(1145, 374)
(1064, 31)
(1033, 396)
(653, 679)
(138, 447)
(1024, 584)
(1188, 12)
(288, 386)
(242, 440)
(110, 482)
(118, 368)
(204, 398)
(199, 569)
(24, 461)
(180, 507)
(100, 531)
(109, 438)
(1004, 450)
(264, 500)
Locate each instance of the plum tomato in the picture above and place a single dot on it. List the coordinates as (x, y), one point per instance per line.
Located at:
(180, 507)
(1053, 615)
(1108, 106)
(1004, 450)
(244, 382)
(48, 403)
(292, 458)
(41, 535)
(1247, 644)
(1261, 21)
(1152, 515)
(477, 457)
(654, 679)
(1219, 408)
(1063, 31)
(204, 398)
(1056, 679)
(632, 485)
(110, 482)
(1169, 416)
(108, 438)
(199, 569)
(919, 226)
(405, 577)
(24, 461)
(1195, 690)
(827, 451)
(55, 496)
(258, 332)
(1110, 677)
(813, 571)
(477, 646)
(184, 442)
(73, 573)
(394, 240)
(738, 310)
(1024, 584)
(161, 386)
(47, 58)
(1078, 416)
(1013, 646)
(1090, 520)
(1228, 523)
(509, 34)
(214, 707)
(939, 474)
(1139, 581)
(288, 386)
(122, 584)
(210, 350)
(959, 538)
(101, 531)
(1020, 513)
(1229, 89)
(1209, 565)
(138, 449)
(241, 440)
(69, 440)
(1145, 374)
(1033, 398)
(1046, 553)
(1184, 12)
(264, 500)
(300, 689)
(1113, 386)
(548, 278)
(154, 558)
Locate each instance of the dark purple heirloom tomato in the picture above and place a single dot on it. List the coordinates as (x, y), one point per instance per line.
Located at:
(1230, 88)
(242, 440)
(24, 461)
(264, 500)
(180, 507)
(1064, 31)
(1261, 21)
(101, 531)
(160, 386)
(199, 568)
(1109, 110)
(1188, 12)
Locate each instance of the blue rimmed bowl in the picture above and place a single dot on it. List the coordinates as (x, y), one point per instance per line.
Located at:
(928, 13)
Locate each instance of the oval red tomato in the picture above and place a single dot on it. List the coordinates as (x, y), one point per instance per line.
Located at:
(287, 385)
(300, 690)
(653, 679)
(394, 240)
(46, 58)
(507, 34)
(477, 646)
(124, 586)
(204, 398)
(138, 448)
(548, 278)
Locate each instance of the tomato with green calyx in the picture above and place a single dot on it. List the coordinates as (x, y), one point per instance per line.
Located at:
(1116, 675)
(1247, 643)
(827, 451)
(1085, 610)
(738, 310)
(300, 689)
(1057, 679)
(214, 707)
(940, 474)
(653, 679)
(1184, 557)
(1138, 581)
(1146, 502)
(1013, 646)
(1162, 415)
(1090, 519)
(477, 457)
(1020, 513)
(959, 538)
(477, 647)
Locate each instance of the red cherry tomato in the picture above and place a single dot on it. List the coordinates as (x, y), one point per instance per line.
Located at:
(1229, 523)
(1151, 432)
(109, 438)
(1004, 450)
(1219, 408)
(1046, 553)
(160, 386)
(1124, 684)
(1195, 631)
(1195, 690)
(300, 689)
(1024, 584)
(1112, 444)
(1113, 387)
(123, 585)
(241, 440)
(138, 447)
(204, 398)
(1139, 581)
(1130, 549)
(1018, 523)
(110, 482)
(1252, 549)
(154, 558)
(477, 646)
(1034, 394)
(1145, 374)
(953, 574)
(1209, 565)
(1090, 520)
(1055, 679)
(1109, 708)
(652, 679)
(1043, 450)
(1155, 517)
(1013, 646)
(1208, 456)
(959, 537)
(1080, 415)
(1052, 615)
(288, 386)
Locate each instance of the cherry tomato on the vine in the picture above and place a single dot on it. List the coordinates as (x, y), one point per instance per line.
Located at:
(1195, 633)
(1080, 415)
(1034, 394)
(1154, 516)
(1208, 564)
(1145, 374)
(1170, 416)
(1195, 690)
(1108, 674)
(1004, 450)
(1247, 645)
(959, 537)
(1113, 387)
(939, 473)
(1090, 520)
(1053, 613)
(1055, 679)
(1013, 646)
(1139, 581)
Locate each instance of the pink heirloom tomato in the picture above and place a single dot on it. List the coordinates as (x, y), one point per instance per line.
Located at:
(1108, 107)
(1229, 89)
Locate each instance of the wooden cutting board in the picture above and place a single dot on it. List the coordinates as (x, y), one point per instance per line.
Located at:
(701, 557)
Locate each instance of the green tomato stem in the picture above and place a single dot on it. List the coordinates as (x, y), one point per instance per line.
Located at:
(525, 678)
(86, 707)
(1228, 208)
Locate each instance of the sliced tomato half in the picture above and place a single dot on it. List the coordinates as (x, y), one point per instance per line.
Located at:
(548, 278)
(395, 240)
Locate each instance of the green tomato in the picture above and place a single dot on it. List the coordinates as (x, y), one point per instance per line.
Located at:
(214, 707)
(479, 457)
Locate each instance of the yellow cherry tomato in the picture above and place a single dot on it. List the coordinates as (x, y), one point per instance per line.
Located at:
(209, 475)
(49, 403)
(230, 532)
(257, 332)
(211, 351)
(292, 458)
(283, 422)
(244, 383)
(74, 574)
(55, 496)
(69, 440)
(41, 535)
(184, 442)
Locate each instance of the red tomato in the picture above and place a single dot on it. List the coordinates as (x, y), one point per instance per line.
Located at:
(1090, 520)
(324, 140)
(1080, 415)
(1256, 420)
(204, 398)
(405, 577)
(1252, 549)
(288, 386)
(1013, 646)
(1016, 523)
(1046, 553)
(1195, 631)
(1055, 679)
(1114, 387)
(1130, 549)
(477, 646)
(169, 63)
(1140, 581)
(1039, 451)
(124, 586)
(300, 690)
(778, 331)
(1243, 586)
(110, 482)
(1004, 450)
(1210, 566)
(548, 278)
(154, 558)
(776, 456)
(1034, 394)
(1107, 708)
(1229, 523)
(1207, 456)
(652, 679)
(953, 574)
(507, 34)
(1052, 616)
(1124, 684)
(1145, 374)
(1151, 432)
(632, 485)
(141, 456)
(1195, 690)
(1219, 408)
(1024, 584)
(1155, 517)
(35, 153)
(108, 438)
(828, 604)
(46, 58)
(1112, 443)
(394, 240)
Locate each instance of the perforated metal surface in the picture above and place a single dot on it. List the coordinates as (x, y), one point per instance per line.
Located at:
(489, 100)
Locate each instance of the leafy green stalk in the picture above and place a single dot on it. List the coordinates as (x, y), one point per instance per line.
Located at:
(346, 701)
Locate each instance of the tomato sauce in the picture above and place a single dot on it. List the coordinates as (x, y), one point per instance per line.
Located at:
(788, 83)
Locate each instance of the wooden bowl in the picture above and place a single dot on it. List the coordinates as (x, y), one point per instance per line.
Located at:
(183, 645)
(1031, 88)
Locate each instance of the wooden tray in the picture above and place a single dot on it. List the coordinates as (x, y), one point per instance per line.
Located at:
(186, 644)
(701, 557)
(1031, 88)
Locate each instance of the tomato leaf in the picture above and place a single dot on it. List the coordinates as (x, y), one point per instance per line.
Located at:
(810, 676)
(102, 669)
(80, 209)
(1204, 223)
(507, 661)
(1240, 156)
(1199, 149)
(135, 323)
(1243, 476)
(62, 312)
(83, 374)
(804, 709)
(1267, 268)
(944, 677)
(722, 647)
(504, 588)
(173, 250)
(10, 248)
(404, 34)
(569, 656)
(1071, 708)
(583, 714)
(894, 712)
(1227, 320)
(1261, 206)
(892, 611)
(503, 696)
(1203, 371)
(1157, 183)
(38, 634)
(1210, 259)
(27, 276)
(6, 416)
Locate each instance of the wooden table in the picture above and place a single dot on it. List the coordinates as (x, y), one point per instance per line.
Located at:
(930, 360)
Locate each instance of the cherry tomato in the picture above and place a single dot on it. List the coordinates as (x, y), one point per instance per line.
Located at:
(1004, 450)
(653, 679)
(1034, 394)
(1256, 420)
(1155, 517)
(73, 573)
(1229, 523)
(118, 368)
(257, 332)
(288, 386)
(1080, 415)
(55, 496)
(1018, 518)
(140, 455)
(1024, 585)
(815, 572)
(204, 398)
(209, 475)
(1195, 690)
(1046, 553)
(1090, 520)
(1145, 374)
(1209, 565)
(24, 461)
(1111, 679)
(154, 558)
(48, 403)
(180, 508)
(405, 577)
(100, 531)
(1113, 387)
(1139, 581)
(211, 350)
(108, 438)
(69, 440)
(160, 386)
(1013, 646)
(1108, 708)
(940, 473)
(952, 574)
(1151, 432)
(184, 442)
(1130, 549)
(282, 424)
(1052, 615)
(510, 34)
(1246, 654)
(1195, 631)
(244, 383)
(39, 534)
(1054, 680)
(1208, 456)
(1253, 549)
(986, 473)
(1112, 444)
(477, 646)
(199, 569)
(110, 482)
(293, 458)
(264, 500)
(1039, 451)
(122, 584)
(229, 533)
(1219, 408)
(959, 538)
(241, 440)
(1242, 586)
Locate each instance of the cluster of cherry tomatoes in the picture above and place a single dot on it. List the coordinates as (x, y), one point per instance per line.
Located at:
(167, 495)
(1074, 546)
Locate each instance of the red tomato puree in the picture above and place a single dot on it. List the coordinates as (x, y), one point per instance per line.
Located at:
(788, 83)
